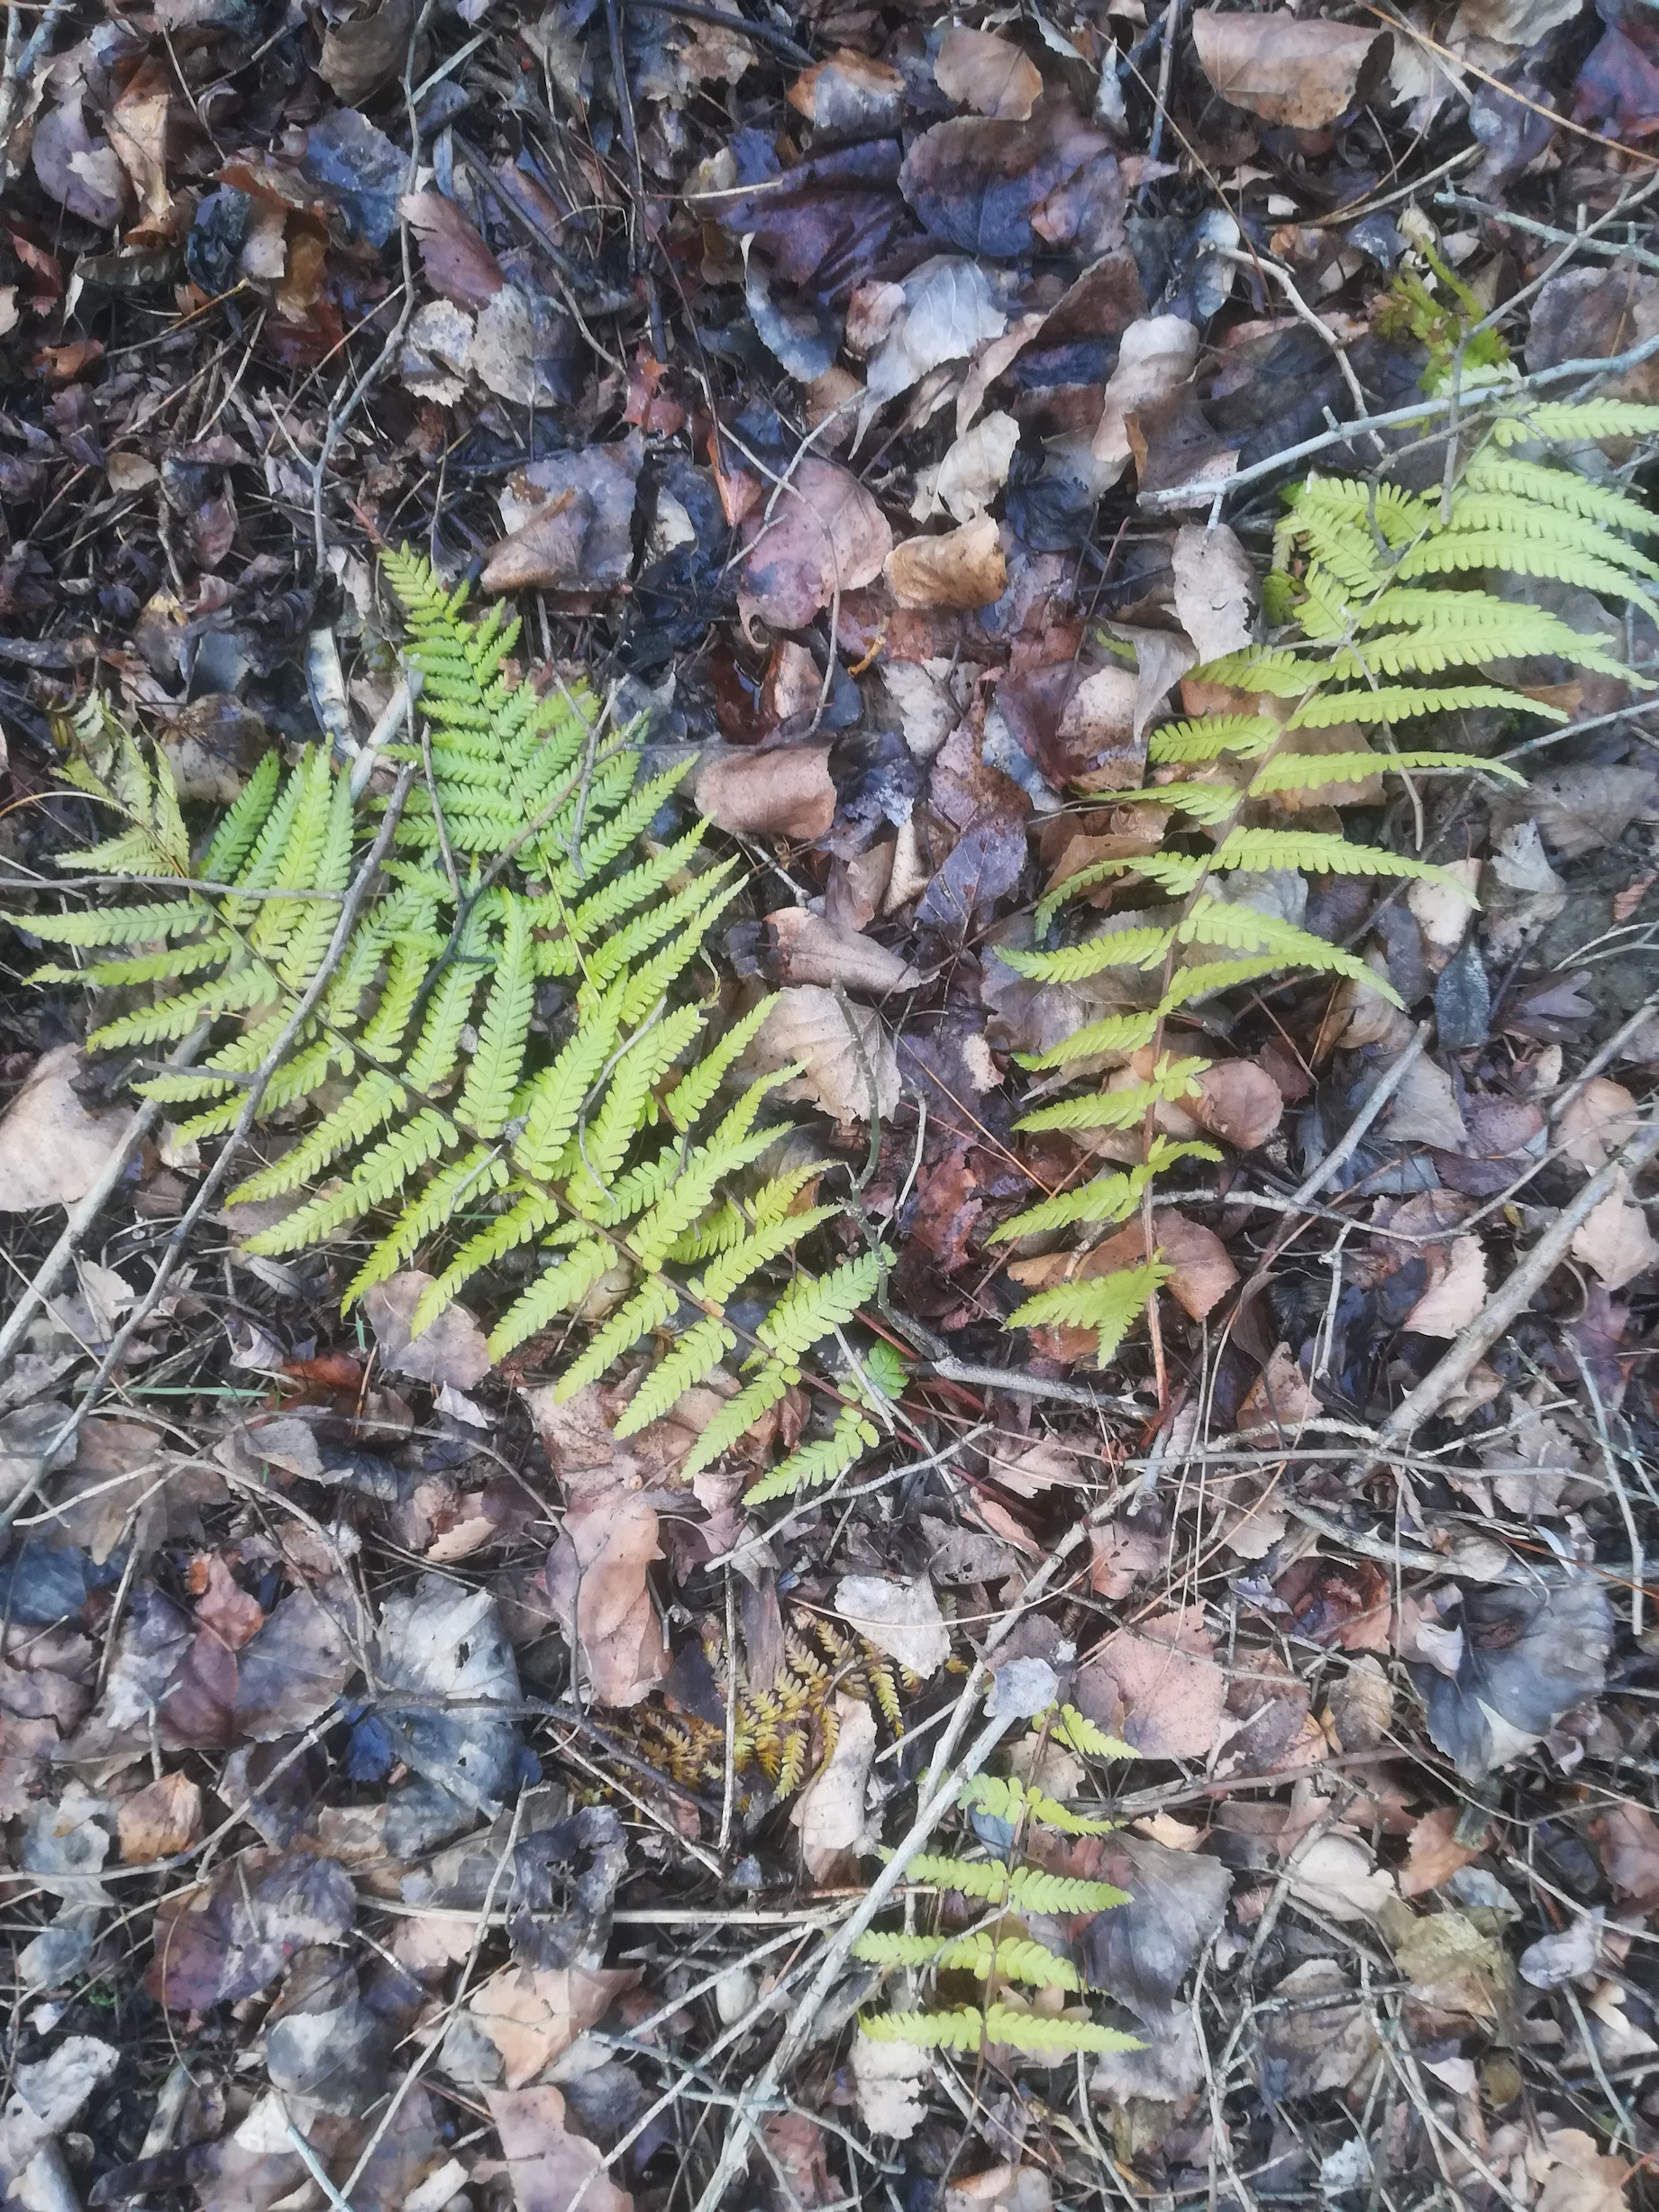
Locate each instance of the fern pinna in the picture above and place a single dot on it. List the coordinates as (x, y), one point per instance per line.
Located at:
(1372, 638)
(426, 1089)
(1001, 1951)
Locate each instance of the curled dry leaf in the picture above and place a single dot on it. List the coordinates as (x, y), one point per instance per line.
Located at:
(1311, 2044)
(1158, 355)
(979, 71)
(901, 1618)
(973, 471)
(1293, 73)
(452, 1350)
(459, 267)
(1434, 1853)
(46, 2095)
(163, 1817)
(1143, 1950)
(596, 1587)
(52, 1150)
(849, 94)
(769, 790)
(945, 312)
(1525, 1658)
(844, 1051)
(829, 1812)
(1580, 2179)
(570, 517)
(1451, 1301)
(826, 535)
(964, 568)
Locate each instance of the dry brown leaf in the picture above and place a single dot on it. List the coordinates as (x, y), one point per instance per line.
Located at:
(769, 792)
(163, 1817)
(361, 52)
(973, 471)
(979, 71)
(570, 517)
(1279, 1398)
(1238, 1101)
(1628, 1835)
(1157, 356)
(1157, 1687)
(459, 267)
(1001, 2189)
(826, 534)
(1580, 2179)
(1432, 1854)
(596, 1589)
(1296, 74)
(1334, 1876)
(1588, 806)
(1425, 1110)
(1598, 1122)
(1614, 1239)
(843, 1050)
(452, 1350)
(1215, 588)
(850, 93)
(802, 948)
(52, 1150)
(551, 2170)
(964, 568)
(1362, 1705)
(1449, 1303)
(829, 1812)
(901, 1618)
(533, 2015)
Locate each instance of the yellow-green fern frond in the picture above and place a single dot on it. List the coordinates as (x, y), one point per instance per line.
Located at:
(809, 1466)
(1065, 1725)
(1110, 1303)
(968, 2029)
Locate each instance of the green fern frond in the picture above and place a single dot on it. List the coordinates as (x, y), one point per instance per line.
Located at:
(1530, 483)
(815, 1304)
(1319, 853)
(1311, 772)
(1401, 703)
(1114, 1033)
(967, 2029)
(1458, 550)
(1570, 422)
(1171, 1080)
(1012, 1959)
(753, 1402)
(809, 1466)
(1120, 948)
(1208, 739)
(1078, 1732)
(1006, 1798)
(1111, 1303)
(1208, 804)
(1248, 929)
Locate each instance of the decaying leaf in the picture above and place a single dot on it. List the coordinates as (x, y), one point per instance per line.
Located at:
(534, 2015)
(452, 1350)
(845, 1053)
(1158, 1686)
(892, 2080)
(53, 1147)
(987, 73)
(774, 791)
(1614, 1239)
(1528, 1657)
(901, 1618)
(830, 1811)
(1291, 72)
(824, 537)
(596, 1585)
(551, 2170)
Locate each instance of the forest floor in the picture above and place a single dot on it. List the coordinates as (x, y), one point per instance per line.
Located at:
(565, 299)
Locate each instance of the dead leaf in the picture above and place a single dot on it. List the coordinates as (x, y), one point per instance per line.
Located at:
(825, 536)
(459, 265)
(978, 70)
(1424, 1109)
(1588, 806)
(849, 94)
(1293, 73)
(1201, 1272)
(534, 2015)
(1361, 1706)
(52, 1150)
(973, 471)
(1001, 2189)
(1279, 1399)
(1158, 355)
(1142, 1952)
(233, 1936)
(769, 790)
(452, 1350)
(890, 2078)
(844, 1053)
(1433, 1855)
(1215, 588)
(1598, 1122)
(159, 1820)
(1629, 1837)
(1580, 2179)
(1237, 1102)
(1614, 1239)
(1157, 1687)
(830, 1813)
(804, 948)
(45, 2097)
(571, 518)
(361, 52)
(1335, 1877)
(81, 173)
(986, 185)
(596, 1587)
(963, 568)
(442, 1646)
(1525, 1658)
(1451, 1302)
(945, 311)
(138, 136)
(551, 2170)
(901, 1618)
(1308, 2044)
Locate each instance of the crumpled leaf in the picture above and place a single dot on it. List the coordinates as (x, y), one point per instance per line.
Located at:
(962, 568)
(52, 1148)
(982, 185)
(850, 93)
(163, 1817)
(84, 175)
(1580, 2179)
(1293, 72)
(1158, 355)
(901, 1618)
(459, 265)
(46, 2095)
(972, 472)
(826, 534)
(1215, 588)
(1528, 1656)
(443, 1645)
(802, 948)
(533, 2015)
(596, 1587)
(571, 517)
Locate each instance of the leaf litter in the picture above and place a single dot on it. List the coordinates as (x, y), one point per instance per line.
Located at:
(416, 1796)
